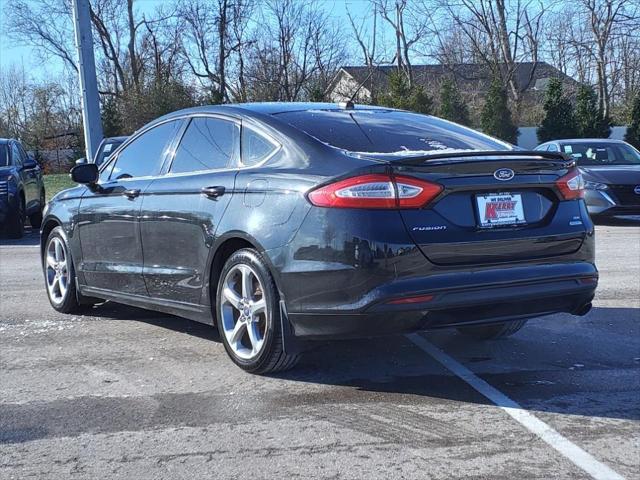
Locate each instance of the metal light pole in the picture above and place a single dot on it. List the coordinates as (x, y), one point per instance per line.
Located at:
(88, 82)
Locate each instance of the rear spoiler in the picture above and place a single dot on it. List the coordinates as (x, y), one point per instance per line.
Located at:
(526, 154)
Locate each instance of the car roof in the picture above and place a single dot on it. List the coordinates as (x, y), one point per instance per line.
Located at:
(270, 108)
(586, 140)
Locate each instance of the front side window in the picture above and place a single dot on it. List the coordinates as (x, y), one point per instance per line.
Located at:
(143, 156)
(255, 147)
(208, 144)
(15, 155)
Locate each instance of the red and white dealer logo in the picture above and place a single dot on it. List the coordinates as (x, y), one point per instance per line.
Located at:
(498, 209)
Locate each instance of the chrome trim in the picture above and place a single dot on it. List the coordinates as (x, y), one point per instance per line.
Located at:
(606, 197)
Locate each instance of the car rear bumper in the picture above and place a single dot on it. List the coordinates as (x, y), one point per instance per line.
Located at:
(457, 299)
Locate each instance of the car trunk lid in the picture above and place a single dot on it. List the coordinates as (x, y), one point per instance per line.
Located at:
(495, 207)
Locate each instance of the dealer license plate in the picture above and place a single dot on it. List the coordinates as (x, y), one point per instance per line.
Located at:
(496, 209)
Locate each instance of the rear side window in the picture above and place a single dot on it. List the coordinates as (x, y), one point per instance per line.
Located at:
(388, 131)
(255, 147)
(208, 144)
(143, 156)
(552, 147)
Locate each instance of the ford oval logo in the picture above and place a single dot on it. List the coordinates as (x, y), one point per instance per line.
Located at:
(637, 190)
(504, 174)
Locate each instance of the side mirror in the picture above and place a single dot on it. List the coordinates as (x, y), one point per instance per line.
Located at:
(29, 163)
(81, 161)
(86, 173)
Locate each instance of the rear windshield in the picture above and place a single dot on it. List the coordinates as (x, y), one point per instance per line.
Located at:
(387, 131)
(4, 158)
(602, 153)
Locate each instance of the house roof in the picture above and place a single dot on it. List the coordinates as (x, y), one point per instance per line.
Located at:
(468, 76)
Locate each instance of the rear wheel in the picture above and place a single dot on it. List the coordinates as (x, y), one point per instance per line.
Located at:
(15, 223)
(492, 331)
(248, 315)
(36, 218)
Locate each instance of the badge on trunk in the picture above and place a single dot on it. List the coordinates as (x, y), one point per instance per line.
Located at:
(504, 174)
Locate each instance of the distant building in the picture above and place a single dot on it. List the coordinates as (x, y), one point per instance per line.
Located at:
(472, 80)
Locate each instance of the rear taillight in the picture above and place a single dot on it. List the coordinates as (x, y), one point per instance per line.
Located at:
(571, 186)
(375, 191)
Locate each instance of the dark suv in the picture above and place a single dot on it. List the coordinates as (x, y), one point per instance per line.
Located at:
(21, 188)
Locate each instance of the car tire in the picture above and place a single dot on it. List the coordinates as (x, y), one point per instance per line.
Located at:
(15, 223)
(247, 315)
(59, 273)
(36, 218)
(492, 331)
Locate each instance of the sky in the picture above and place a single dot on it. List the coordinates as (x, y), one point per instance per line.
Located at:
(12, 53)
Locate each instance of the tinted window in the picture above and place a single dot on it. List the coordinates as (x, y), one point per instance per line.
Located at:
(106, 149)
(4, 157)
(143, 156)
(255, 147)
(552, 147)
(16, 157)
(208, 143)
(383, 131)
(601, 153)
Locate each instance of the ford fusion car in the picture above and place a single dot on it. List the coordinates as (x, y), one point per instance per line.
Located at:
(611, 172)
(284, 223)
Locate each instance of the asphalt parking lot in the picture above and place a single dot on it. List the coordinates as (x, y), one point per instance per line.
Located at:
(125, 393)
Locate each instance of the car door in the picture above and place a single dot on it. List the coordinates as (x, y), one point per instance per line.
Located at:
(29, 179)
(18, 163)
(109, 213)
(182, 209)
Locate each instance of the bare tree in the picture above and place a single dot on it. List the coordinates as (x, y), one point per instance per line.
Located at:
(500, 33)
(607, 20)
(301, 47)
(407, 32)
(216, 34)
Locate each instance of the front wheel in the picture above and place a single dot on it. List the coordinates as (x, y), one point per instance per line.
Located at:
(59, 275)
(492, 331)
(248, 315)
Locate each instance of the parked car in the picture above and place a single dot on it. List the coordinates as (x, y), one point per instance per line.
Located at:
(611, 172)
(21, 188)
(105, 149)
(286, 223)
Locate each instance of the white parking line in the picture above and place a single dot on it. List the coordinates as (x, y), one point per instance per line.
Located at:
(571, 451)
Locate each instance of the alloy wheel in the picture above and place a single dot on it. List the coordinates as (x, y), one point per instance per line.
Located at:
(57, 270)
(243, 312)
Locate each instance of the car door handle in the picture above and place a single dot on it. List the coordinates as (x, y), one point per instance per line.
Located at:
(213, 192)
(131, 193)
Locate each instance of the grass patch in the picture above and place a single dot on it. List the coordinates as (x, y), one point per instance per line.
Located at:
(55, 183)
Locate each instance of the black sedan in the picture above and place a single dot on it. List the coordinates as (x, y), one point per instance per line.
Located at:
(283, 224)
(611, 172)
(21, 188)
